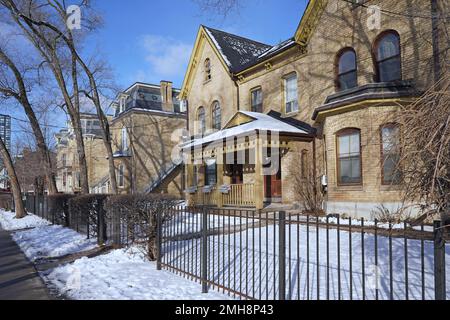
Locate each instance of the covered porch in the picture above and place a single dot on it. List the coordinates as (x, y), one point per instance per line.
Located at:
(240, 166)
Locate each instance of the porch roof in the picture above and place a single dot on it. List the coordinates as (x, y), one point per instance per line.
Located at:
(255, 122)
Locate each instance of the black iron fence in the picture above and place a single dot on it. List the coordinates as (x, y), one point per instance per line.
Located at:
(281, 255)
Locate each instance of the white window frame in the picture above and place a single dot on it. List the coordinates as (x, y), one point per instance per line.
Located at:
(291, 106)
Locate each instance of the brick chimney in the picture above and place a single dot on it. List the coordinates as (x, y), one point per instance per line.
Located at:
(166, 94)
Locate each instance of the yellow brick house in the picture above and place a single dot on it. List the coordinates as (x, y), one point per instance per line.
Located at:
(148, 119)
(325, 100)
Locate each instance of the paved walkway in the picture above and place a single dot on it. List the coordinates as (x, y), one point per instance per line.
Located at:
(18, 278)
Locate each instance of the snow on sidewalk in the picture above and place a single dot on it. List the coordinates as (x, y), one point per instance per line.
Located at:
(52, 241)
(123, 275)
(9, 222)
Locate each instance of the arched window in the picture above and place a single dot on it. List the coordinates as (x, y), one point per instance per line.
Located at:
(349, 167)
(201, 121)
(388, 57)
(216, 116)
(124, 139)
(390, 153)
(347, 76)
(207, 69)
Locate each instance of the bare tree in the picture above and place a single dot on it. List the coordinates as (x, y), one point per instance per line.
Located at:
(425, 150)
(39, 20)
(15, 186)
(19, 92)
(220, 7)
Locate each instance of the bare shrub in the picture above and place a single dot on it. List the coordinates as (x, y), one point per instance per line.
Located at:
(84, 212)
(425, 150)
(5, 201)
(383, 214)
(138, 213)
(58, 208)
(307, 189)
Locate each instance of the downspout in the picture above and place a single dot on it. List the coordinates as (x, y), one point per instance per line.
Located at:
(237, 92)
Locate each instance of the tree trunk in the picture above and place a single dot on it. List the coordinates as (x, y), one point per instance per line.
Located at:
(76, 123)
(15, 186)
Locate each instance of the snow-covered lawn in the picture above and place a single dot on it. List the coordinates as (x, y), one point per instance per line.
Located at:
(123, 275)
(9, 222)
(52, 241)
(248, 262)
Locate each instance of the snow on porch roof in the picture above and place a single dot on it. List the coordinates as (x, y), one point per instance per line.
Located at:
(257, 121)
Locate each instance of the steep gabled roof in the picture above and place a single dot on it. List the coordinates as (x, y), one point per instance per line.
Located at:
(237, 51)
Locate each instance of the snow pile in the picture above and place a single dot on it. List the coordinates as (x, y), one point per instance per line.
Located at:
(52, 241)
(9, 222)
(123, 275)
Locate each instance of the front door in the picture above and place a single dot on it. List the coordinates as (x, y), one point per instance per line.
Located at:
(273, 187)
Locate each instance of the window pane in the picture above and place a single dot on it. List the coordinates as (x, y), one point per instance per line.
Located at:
(348, 80)
(388, 47)
(211, 178)
(390, 69)
(344, 145)
(349, 158)
(390, 139)
(291, 89)
(355, 144)
(257, 100)
(347, 62)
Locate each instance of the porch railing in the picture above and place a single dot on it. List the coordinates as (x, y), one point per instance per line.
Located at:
(240, 195)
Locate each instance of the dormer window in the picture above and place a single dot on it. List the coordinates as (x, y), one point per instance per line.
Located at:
(122, 102)
(207, 67)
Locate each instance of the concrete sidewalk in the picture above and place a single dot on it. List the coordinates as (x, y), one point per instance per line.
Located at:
(18, 277)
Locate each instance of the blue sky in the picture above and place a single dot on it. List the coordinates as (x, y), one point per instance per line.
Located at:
(152, 40)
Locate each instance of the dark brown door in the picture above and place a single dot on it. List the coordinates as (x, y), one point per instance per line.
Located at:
(273, 186)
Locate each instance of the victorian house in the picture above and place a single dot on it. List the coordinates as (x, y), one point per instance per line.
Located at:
(319, 106)
(147, 124)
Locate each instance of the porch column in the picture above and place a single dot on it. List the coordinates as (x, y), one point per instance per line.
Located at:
(220, 173)
(259, 177)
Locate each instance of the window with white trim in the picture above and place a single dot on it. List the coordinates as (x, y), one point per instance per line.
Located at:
(291, 93)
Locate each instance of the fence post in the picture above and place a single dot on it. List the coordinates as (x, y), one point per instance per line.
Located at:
(282, 253)
(13, 205)
(158, 239)
(205, 251)
(439, 261)
(101, 226)
(116, 226)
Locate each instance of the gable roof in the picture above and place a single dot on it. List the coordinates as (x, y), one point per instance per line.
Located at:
(236, 51)
(238, 54)
(250, 123)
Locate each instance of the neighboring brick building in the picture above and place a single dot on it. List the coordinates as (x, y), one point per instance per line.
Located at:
(29, 167)
(147, 119)
(339, 80)
(67, 167)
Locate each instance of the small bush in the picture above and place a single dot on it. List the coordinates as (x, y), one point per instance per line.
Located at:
(385, 215)
(84, 212)
(6, 201)
(58, 208)
(137, 216)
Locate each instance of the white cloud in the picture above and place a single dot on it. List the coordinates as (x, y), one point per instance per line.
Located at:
(167, 57)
